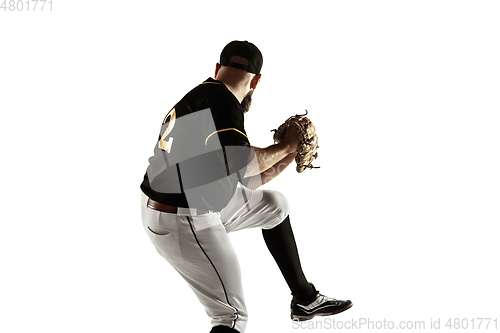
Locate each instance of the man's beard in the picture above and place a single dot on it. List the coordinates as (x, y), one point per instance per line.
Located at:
(247, 101)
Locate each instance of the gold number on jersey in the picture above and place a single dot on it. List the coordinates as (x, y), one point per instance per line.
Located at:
(163, 144)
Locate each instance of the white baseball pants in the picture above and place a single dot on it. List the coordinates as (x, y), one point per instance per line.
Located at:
(198, 247)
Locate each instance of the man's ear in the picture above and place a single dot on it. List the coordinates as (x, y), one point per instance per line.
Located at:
(255, 81)
(217, 67)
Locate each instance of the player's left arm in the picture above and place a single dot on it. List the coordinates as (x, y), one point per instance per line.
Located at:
(256, 181)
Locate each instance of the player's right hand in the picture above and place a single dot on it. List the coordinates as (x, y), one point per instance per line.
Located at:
(291, 138)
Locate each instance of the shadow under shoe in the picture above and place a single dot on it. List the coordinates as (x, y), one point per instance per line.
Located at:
(223, 329)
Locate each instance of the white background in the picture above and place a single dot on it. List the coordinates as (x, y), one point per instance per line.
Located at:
(401, 218)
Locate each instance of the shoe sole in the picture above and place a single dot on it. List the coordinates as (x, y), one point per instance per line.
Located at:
(304, 318)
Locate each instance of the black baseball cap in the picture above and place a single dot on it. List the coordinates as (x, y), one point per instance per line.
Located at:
(243, 49)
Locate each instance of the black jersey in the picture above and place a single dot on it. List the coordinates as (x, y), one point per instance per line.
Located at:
(202, 150)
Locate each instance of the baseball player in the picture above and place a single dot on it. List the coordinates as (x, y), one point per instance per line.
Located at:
(203, 182)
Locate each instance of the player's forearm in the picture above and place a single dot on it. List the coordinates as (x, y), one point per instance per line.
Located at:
(271, 173)
(261, 159)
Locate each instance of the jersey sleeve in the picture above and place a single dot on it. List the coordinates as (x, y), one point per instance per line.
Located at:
(230, 131)
(229, 121)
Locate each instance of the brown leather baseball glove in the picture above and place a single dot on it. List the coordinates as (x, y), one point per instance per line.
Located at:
(307, 149)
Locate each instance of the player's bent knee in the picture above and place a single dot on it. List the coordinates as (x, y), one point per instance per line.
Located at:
(282, 204)
(278, 203)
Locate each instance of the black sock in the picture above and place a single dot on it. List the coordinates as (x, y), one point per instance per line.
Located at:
(281, 243)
